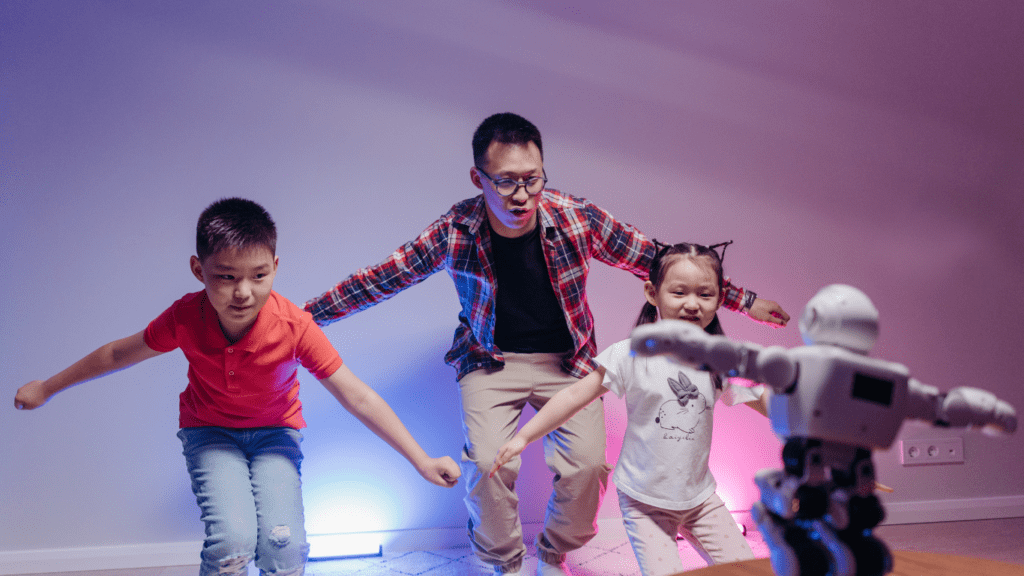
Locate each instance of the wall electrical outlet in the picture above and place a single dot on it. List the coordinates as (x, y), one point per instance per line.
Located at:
(932, 451)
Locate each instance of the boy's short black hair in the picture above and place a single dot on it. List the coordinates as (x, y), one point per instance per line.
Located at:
(234, 223)
(506, 128)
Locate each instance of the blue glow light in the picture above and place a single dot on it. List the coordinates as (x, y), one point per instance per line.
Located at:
(334, 546)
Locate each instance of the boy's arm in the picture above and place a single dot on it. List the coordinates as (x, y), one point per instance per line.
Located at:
(556, 412)
(108, 358)
(366, 405)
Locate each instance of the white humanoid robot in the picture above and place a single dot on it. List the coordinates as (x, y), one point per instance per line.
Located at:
(831, 405)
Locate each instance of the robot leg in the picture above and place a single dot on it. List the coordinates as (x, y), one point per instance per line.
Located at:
(793, 552)
(789, 517)
(855, 511)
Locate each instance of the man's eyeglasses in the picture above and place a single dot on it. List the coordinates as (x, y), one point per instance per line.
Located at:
(508, 186)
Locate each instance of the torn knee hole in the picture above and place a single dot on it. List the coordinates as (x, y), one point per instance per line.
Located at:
(280, 536)
(234, 566)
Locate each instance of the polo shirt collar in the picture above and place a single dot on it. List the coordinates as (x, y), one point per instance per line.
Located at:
(253, 338)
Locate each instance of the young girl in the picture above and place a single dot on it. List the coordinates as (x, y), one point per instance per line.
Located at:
(664, 484)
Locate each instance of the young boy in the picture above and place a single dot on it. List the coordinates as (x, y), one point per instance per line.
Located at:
(240, 413)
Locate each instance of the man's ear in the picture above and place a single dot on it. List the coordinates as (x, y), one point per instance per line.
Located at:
(649, 292)
(197, 268)
(474, 177)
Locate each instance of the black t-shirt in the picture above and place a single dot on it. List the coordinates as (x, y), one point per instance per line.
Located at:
(528, 317)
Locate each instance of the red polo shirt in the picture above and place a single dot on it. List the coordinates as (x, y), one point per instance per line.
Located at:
(251, 383)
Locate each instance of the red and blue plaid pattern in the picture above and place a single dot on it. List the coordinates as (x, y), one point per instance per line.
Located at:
(573, 231)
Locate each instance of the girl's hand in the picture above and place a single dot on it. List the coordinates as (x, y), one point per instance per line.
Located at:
(510, 450)
(31, 396)
(768, 312)
(442, 471)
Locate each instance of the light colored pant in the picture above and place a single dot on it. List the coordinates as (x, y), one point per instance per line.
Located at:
(492, 405)
(709, 528)
(249, 492)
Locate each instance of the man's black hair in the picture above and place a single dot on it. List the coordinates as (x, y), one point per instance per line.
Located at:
(506, 128)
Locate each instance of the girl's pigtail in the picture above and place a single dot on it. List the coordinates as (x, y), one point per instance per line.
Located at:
(715, 327)
(648, 315)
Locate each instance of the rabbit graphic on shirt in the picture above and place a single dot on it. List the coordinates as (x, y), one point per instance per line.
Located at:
(682, 413)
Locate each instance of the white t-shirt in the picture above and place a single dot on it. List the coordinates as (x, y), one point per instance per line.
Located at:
(669, 408)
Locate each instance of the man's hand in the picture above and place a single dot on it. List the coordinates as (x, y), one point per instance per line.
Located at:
(31, 396)
(768, 312)
(442, 471)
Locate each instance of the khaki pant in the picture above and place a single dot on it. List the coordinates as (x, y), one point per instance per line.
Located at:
(708, 527)
(492, 405)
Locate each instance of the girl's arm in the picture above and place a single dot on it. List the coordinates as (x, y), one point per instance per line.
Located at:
(556, 412)
(111, 357)
(366, 405)
(761, 404)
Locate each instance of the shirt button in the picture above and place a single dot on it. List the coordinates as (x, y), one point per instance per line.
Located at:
(231, 373)
(231, 350)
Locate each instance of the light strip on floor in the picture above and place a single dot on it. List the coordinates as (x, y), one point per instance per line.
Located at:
(334, 546)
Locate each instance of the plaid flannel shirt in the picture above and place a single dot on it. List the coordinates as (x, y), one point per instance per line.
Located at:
(573, 231)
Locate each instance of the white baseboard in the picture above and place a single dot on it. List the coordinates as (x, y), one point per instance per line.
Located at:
(187, 553)
(954, 510)
(99, 558)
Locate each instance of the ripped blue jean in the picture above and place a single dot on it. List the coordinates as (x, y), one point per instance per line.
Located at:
(248, 487)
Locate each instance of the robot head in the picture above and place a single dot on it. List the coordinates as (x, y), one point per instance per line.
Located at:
(840, 315)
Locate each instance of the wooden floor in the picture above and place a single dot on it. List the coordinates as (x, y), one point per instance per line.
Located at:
(610, 554)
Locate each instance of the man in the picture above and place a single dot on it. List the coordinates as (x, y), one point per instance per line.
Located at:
(521, 343)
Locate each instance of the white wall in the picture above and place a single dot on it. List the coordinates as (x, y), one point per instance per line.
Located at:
(873, 145)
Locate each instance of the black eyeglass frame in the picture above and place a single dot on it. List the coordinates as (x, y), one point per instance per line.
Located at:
(524, 184)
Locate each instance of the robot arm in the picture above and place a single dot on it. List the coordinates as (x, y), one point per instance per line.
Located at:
(690, 345)
(961, 407)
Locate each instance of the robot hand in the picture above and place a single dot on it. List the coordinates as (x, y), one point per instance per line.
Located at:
(690, 345)
(972, 407)
(961, 407)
